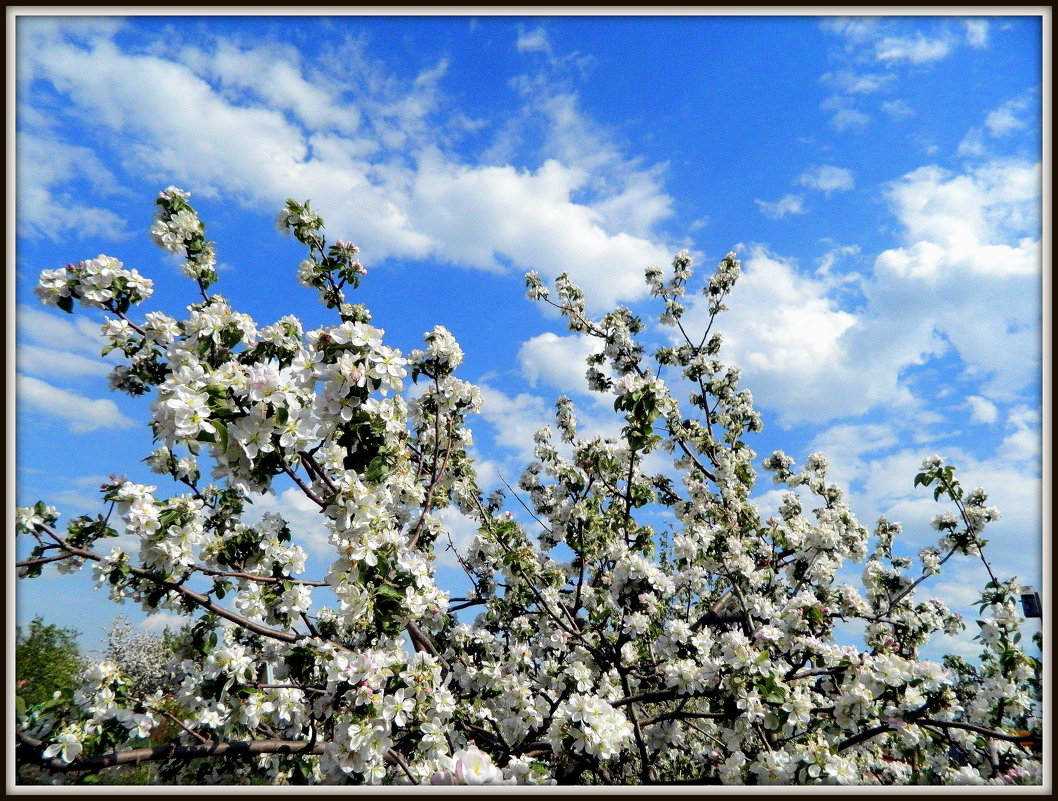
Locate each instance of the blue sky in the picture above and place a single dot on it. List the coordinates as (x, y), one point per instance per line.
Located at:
(879, 177)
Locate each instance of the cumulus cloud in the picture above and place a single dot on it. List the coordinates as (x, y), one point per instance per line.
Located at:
(797, 348)
(514, 419)
(376, 148)
(301, 513)
(83, 414)
(558, 361)
(460, 532)
(1024, 442)
(827, 178)
(1002, 121)
(971, 258)
(787, 204)
(959, 281)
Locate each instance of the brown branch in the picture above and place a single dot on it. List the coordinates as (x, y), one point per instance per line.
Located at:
(994, 735)
(209, 571)
(199, 599)
(863, 736)
(43, 560)
(304, 487)
(657, 696)
(244, 749)
(180, 723)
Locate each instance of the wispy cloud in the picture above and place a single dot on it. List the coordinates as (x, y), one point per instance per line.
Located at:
(897, 109)
(46, 164)
(827, 178)
(83, 414)
(917, 49)
(845, 116)
(976, 31)
(534, 41)
(1006, 119)
(856, 83)
(787, 204)
(35, 360)
(982, 410)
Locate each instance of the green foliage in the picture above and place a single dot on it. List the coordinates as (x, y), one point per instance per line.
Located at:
(46, 660)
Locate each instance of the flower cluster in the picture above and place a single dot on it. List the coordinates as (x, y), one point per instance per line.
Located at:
(102, 282)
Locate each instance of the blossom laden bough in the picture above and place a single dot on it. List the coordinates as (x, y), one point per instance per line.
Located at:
(644, 628)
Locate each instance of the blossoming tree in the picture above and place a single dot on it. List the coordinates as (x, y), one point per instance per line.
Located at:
(646, 628)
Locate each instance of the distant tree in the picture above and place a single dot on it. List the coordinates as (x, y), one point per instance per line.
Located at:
(142, 656)
(46, 660)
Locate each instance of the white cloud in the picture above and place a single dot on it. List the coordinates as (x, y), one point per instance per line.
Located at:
(158, 622)
(832, 257)
(827, 178)
(60, 331)
(787, 204)
(916, 49)
(970, 262)
(847, 446)
(1005, 120)
(1024, 442)
(274, 74)
(267, 131)
(982, 410)
(897, 109)
(461, 529)
(989, 204)
(855, 29)
(477, 214)
(999, 122)
(83, 414)
(44, 209)
(960, 281)
(976, 31)
(558, 361)
(845, 119)
(798, 350)
(515, 419)
(64, 345)
(973, 144)
(48, 361)
(303, 516)
(854, 83)
(534, 41)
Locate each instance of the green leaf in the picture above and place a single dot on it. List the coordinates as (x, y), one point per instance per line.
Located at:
(66, 304)
(222, 435)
